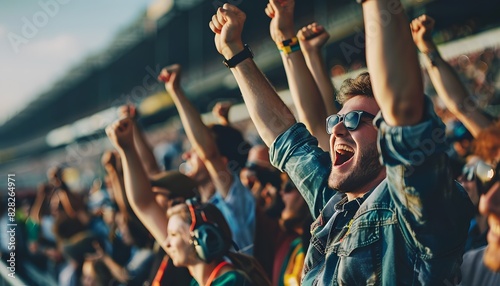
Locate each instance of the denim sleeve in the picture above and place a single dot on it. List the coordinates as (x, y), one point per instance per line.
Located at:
(296, 152)
(428, 201)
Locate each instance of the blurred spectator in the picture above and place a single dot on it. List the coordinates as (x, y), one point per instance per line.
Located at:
(292, 246)
(482, 266)
(217, 156)
(96, 273)
(479, 226)
(136, 270)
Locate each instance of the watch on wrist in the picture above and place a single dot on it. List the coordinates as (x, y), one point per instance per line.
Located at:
(239, 57)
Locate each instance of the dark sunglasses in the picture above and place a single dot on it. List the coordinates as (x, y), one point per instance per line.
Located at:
(484, 174)
(351, 120)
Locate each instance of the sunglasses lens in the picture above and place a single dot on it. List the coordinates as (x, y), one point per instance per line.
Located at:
(331, 121)
(351, 120)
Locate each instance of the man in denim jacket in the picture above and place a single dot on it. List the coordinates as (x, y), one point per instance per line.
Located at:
(387, 211)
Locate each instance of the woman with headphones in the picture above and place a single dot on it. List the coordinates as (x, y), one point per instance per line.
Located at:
(194, 235)
(199, 238)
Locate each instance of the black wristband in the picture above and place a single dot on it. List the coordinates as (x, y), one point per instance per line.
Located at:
(239, 57)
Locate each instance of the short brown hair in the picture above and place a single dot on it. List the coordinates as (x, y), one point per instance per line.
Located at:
(360, 85)
(231, 145)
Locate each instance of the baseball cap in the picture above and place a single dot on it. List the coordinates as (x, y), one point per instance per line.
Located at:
(175, 183)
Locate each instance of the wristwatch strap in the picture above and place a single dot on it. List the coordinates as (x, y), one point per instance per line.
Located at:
(239, 57)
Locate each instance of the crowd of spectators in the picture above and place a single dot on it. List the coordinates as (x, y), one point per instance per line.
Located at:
(207, 207)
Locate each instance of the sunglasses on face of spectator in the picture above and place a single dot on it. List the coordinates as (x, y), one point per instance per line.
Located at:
(350, 120)
(484, 174)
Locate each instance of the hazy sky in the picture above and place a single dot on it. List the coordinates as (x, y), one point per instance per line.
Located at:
(41, 40)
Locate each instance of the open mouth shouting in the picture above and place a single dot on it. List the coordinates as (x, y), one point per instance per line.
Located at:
(343, 154)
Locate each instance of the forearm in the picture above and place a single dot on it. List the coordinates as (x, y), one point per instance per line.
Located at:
(145, 152)
(306, 96)
(66, 204)
(37, 208)
(454, 95)
(137, 186)
(119, 191)
(198, 133)
(141, 197)
(268, 112)
(317, 67)
(116, 180)
(203, 142)
(392, 62)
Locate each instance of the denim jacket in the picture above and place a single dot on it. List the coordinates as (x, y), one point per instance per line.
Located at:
(409, 230)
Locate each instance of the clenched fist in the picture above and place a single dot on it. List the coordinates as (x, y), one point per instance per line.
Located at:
(227, 24)
(121, 133)
(281, 14)
(421, 30)
(171, 76)
(312, 37)
(127, 110)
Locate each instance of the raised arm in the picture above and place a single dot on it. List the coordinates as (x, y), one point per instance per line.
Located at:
(312, 38)
(268, 112)
(392, 62)
(444, 78)
(67, 199)
(198, 133)
(145, 152)
(305, 93)
(137, 184)
(43, 193)
(112, 164)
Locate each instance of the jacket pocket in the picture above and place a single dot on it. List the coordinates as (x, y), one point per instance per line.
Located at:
(360, 257)
(357, 238)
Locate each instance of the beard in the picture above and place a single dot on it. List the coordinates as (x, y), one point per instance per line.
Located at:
(366, 169)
